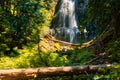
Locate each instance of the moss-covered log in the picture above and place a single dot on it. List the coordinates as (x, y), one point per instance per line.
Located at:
(16, 74)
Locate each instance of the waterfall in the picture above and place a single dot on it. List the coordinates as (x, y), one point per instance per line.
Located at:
(65, 21)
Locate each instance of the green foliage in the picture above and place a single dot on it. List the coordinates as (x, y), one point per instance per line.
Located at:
(104, 13)
(28, 57)
(114, 50)
(54, 59)
(114, 57)
(47, 11)
(18, 20)
(79, 57)
(21, 22)
(115, 72)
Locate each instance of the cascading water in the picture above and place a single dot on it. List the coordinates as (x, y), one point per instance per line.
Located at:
(66, 22)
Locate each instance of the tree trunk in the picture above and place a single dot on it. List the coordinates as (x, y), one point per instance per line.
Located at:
(17, 74)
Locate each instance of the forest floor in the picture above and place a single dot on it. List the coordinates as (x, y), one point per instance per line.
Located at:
(56, 53)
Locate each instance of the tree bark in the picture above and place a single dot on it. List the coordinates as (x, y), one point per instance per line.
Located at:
(17, 74)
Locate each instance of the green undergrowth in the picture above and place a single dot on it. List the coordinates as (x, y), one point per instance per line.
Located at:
(79, 56)
(113, 48)
(29, 57)
(26, 57)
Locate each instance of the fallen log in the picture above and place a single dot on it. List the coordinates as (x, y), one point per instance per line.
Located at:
(66, 43)
(16, 74)
(50, 37)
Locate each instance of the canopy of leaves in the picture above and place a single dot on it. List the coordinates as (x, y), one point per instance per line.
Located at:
(105, 13)
(21, 22)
